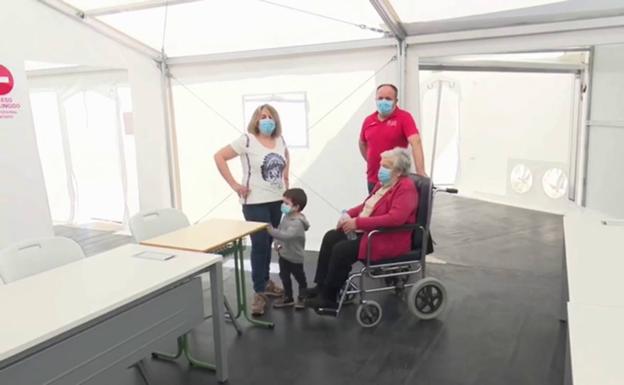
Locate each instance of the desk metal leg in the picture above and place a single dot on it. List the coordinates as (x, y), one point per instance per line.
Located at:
(184, 348)
(239, 272)
(565, 294)
(230, 316)
(567, 368)
(218, 324)
(238, 245)
(140, 366)
(171, 357)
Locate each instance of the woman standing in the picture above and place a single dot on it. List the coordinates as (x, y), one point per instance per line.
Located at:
(264, 159)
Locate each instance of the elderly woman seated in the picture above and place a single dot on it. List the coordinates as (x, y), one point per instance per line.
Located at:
(393, 202)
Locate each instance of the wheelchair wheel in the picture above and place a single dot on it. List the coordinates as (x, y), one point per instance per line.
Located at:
(426, 299)
(368, 314)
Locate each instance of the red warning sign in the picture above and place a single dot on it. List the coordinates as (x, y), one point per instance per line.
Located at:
(9, 107)
(6, 80)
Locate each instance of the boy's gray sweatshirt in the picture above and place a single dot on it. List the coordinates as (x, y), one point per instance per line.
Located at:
(290, 237)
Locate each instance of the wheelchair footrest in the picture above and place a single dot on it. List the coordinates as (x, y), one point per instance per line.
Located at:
(327, 311)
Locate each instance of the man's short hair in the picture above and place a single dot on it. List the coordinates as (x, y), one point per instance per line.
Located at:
(396, 90)
(297, 196)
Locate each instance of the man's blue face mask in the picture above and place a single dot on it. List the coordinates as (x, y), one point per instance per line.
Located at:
(384, 106)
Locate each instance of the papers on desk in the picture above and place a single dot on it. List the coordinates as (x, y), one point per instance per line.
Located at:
(154, 255)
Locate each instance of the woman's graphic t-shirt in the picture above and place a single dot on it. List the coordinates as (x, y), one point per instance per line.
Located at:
(263, 168)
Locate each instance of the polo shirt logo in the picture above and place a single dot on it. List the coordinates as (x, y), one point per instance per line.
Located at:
(392, 123)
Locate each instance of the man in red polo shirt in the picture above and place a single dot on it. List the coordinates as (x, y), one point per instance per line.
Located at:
(385, 129)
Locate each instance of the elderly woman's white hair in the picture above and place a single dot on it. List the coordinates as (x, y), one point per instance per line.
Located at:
(401, 160)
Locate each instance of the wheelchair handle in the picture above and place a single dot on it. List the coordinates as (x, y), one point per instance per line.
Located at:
(449, 190)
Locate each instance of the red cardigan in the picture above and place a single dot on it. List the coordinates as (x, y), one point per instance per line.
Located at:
(397, 207)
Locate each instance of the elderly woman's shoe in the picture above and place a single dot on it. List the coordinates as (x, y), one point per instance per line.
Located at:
(323, 306)
(311, 292)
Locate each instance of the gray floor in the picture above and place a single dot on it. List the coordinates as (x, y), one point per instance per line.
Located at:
(500, 326)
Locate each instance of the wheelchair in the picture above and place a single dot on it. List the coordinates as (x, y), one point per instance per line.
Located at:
(426, 297)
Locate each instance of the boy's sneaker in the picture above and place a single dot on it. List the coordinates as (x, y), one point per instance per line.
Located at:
(299, 303)
(258, 304)
(283, 302)
(272, 290)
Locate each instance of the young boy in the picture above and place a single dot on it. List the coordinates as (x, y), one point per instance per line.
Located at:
(290, 244)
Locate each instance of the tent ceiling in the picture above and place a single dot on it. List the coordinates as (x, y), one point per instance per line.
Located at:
(199, 27)
(89, 5)
(206, 27)
(411, 11)
(530, 13)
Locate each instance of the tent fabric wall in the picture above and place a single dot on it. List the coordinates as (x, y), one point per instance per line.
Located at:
(42, 34)
(106, 155)
(605, 169)
(24, 211)
(47, 35)
(504, 119)
(331, 170)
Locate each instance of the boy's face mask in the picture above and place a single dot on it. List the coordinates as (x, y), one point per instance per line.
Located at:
(286, 209)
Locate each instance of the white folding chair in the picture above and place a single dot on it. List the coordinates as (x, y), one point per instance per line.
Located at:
(150, 224)
(34, 256)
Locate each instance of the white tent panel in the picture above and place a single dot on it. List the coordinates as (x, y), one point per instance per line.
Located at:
(88, 5)
(240, 25)
(339, 90)
(524, 12)
(505, 122)
(411, 11)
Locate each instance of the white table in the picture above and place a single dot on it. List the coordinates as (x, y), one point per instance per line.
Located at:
(594, 259)
(593, 297)
(596, 340)
(210, 237)
(89, 321)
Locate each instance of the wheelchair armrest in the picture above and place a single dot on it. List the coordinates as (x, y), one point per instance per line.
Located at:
(385, 230)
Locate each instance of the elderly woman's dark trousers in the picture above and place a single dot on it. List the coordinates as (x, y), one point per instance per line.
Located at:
(336, 257)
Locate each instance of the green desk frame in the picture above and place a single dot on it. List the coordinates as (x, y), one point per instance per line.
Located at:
(235, 248)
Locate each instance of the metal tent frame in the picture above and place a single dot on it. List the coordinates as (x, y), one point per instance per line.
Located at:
(532, 33)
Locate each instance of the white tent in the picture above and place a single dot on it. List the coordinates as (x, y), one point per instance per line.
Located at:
(193, 69)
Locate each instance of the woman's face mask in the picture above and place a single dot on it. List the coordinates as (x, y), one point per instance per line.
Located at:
(266, 126)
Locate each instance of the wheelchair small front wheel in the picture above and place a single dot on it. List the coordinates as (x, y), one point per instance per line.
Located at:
(427, 298)
(368, 314)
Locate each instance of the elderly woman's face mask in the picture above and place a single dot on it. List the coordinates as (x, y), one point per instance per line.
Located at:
(384, 175)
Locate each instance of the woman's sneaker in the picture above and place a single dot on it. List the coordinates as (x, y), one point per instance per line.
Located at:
(283, 302)
(272, 290)
(258, 304)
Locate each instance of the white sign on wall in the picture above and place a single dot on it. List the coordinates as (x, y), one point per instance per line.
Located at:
(24, 211)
